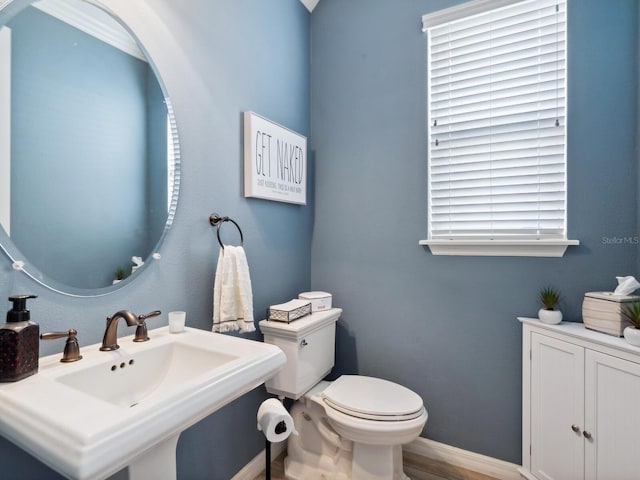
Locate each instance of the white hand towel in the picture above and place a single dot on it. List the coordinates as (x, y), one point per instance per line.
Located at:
(232, 294)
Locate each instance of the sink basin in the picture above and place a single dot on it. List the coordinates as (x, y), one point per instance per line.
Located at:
(145, 375)
(89, 419)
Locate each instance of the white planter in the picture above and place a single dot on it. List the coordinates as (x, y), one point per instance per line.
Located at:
(632, 336)
(552, 317)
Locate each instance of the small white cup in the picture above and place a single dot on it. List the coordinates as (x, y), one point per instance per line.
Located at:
(176, 321)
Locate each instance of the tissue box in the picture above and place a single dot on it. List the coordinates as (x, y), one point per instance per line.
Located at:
(602, 311)
(290, 311)
(319, 300)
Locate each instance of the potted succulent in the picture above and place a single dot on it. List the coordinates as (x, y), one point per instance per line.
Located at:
(549, 297)
(632, 332)
(118, 275)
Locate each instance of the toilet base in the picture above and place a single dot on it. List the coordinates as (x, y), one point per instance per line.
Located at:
(295, 470)
(363, 469)
(377, 462)
(319, 453)
(370, 462)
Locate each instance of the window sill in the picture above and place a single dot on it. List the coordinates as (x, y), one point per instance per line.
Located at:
(499, 248)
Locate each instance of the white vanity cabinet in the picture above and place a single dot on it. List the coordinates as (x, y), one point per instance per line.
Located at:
(580, 404)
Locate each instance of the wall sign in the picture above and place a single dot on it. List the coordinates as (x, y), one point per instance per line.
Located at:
(275, 161)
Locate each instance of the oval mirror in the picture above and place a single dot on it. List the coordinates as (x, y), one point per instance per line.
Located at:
(88, 147)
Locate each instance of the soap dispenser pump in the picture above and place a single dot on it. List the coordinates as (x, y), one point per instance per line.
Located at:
(19, 342)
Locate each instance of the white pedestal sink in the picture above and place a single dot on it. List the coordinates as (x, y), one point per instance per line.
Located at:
(126, 408)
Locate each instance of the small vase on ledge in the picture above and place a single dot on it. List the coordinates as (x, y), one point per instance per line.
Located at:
(549, 297)
(632, 336)
(632, 332)
(118, 275)
(552, 317)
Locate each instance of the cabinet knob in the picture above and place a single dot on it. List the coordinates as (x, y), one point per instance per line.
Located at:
(575, 428)
(586, 435)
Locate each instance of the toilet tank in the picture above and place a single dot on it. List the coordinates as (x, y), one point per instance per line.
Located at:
(309, 345)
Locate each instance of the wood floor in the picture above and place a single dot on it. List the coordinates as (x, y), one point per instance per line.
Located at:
(415, 466)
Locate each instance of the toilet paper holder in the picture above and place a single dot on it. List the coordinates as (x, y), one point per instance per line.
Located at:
(281, 427)
(276, 424)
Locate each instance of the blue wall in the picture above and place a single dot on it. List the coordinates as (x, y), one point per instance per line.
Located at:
(446, 326)
(217, 59)
(156, 180)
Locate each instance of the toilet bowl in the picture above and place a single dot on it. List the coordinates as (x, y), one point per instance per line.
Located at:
(351, 428)
(373, 411)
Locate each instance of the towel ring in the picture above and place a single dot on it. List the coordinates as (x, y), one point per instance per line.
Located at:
(216, 220)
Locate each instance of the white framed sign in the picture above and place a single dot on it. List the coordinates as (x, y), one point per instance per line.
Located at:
(275, 161)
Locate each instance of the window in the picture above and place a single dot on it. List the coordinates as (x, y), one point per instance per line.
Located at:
(5, 129)
(497, 128)
(171, 163)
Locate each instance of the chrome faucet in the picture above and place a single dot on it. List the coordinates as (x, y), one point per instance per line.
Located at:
(110, 339)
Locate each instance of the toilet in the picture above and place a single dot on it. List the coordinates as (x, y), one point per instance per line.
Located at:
(351, 428)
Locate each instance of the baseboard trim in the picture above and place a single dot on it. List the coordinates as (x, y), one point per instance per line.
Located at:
(256, 466)
(463, 458)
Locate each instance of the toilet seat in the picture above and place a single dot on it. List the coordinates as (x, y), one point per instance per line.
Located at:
(372, 398)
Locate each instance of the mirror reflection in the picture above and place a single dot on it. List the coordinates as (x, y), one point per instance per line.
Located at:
(86, 177)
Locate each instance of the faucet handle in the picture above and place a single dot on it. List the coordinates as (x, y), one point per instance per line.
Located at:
(142, 334)
(142, 318)
(71, 349)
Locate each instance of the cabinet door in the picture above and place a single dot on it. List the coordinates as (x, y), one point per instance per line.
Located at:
(557, 409)
(612, 418)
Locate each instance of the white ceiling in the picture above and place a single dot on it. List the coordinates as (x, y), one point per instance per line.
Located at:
(310, 4)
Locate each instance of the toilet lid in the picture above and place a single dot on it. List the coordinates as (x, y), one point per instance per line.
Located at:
(372, 398)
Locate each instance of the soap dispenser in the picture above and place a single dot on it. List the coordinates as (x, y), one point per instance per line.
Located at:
(19, 342)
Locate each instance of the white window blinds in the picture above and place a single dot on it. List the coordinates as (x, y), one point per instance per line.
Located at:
(497, 128)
